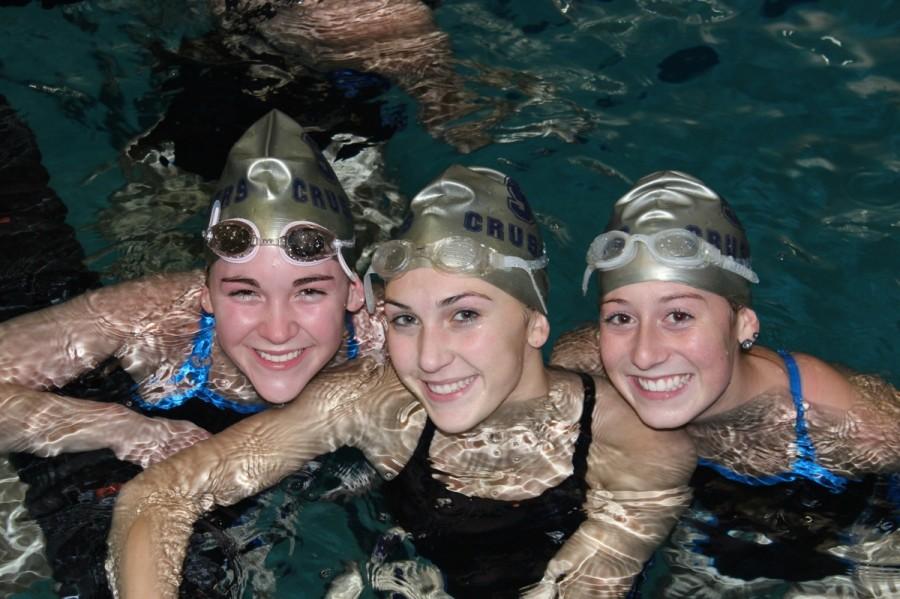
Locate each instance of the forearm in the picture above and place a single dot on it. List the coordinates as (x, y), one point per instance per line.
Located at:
(47, 424)
(155, 511)
(578, 350)
(148, 542)
(609, 549)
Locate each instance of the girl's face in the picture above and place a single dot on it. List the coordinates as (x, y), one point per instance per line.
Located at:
(671, 349)
(461, 345)
(278, 322)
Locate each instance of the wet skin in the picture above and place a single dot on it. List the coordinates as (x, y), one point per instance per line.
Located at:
(673, 352)
(278, 322)
(468, 355)
(149, 325)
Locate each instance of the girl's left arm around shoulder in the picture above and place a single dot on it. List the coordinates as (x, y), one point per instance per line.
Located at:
(860, 414)
(155, 512)
(637, 489)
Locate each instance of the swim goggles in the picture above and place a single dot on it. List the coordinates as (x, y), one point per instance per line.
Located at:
(675, 248)
(303, 243)
(455, 255)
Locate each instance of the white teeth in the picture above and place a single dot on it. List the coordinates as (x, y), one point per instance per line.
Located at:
(280, 357)
(449, 387)
(666, 384)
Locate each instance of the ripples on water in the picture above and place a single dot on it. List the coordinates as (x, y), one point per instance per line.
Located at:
(788, 108)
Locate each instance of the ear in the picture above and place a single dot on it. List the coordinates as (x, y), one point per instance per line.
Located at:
(355, 295)
(205, 301)
(747, 324)
(538, 329)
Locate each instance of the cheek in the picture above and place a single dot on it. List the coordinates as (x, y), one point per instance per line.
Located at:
(402, 351)
(234, 322)
(612, 349)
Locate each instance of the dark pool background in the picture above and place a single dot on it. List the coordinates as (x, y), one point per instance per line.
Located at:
(788, 109)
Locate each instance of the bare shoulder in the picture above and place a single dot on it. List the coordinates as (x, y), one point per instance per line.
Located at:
(637, 456)
(578, 350)
(823, 385)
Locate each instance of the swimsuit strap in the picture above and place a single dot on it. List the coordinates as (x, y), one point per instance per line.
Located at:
(195, 371)
(352, 341)
(805, 463)
(583, 443)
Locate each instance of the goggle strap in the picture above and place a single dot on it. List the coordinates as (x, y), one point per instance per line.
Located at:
(586, 279)
(368, 290)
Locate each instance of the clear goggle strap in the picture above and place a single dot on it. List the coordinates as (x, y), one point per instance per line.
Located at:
(369, 291)
(728, 263)
(340, 244)
(586, 279)
(529, 266)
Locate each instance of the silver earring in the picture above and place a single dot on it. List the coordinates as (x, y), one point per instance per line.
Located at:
(746, 344)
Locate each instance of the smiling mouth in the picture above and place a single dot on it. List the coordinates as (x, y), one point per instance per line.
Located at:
(666, 384)
(279, 358)
(443, 389)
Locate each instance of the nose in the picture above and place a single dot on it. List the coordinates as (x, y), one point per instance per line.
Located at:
(649, 347)
(279, 324)
(434, 352)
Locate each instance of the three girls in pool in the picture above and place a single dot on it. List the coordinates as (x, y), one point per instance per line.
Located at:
(508, 475)
(481, 444)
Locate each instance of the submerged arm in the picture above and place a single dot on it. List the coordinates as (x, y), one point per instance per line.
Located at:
(854, 419)
(46, 349)
(156, 511)
(578, 350)
(637, 481)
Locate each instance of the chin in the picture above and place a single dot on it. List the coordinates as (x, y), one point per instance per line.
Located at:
(663, 421)
(280, 395)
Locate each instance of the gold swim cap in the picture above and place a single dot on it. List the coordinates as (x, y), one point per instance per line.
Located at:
(275, 175)
(645, 240)
(473, 221)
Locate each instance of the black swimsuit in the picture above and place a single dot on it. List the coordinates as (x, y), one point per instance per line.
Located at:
(489, 548)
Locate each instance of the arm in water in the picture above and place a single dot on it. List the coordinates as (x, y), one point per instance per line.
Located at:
(637, 481)
(44, 350)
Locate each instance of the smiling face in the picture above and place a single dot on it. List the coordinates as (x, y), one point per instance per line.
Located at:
(279, 323)
(462, 346)
(671, 350)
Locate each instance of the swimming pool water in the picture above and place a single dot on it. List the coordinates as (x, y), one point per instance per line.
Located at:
(787, 108)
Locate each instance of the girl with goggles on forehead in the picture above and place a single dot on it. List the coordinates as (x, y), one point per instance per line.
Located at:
(248, 333)
(677, 337)
(511, 477)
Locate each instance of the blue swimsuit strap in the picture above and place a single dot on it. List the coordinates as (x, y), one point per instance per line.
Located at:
(352, 341)
(195, 371)
(804, 465)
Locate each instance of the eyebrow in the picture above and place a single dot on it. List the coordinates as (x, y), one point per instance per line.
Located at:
(297, 282)
(678, 296)
(663, 299)
(444, 302)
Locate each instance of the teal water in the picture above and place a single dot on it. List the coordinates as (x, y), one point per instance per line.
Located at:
(796, 124)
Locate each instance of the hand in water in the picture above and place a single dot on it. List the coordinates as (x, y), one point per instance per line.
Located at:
(149, 440)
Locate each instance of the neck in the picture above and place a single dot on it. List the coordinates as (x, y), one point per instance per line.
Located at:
(736, 393)
(534, 381)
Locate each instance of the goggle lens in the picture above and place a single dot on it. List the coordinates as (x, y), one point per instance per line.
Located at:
(459, 255)
(231, 239)
(391, 258)
(613, 248)
(305, 244)
(677, 245)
